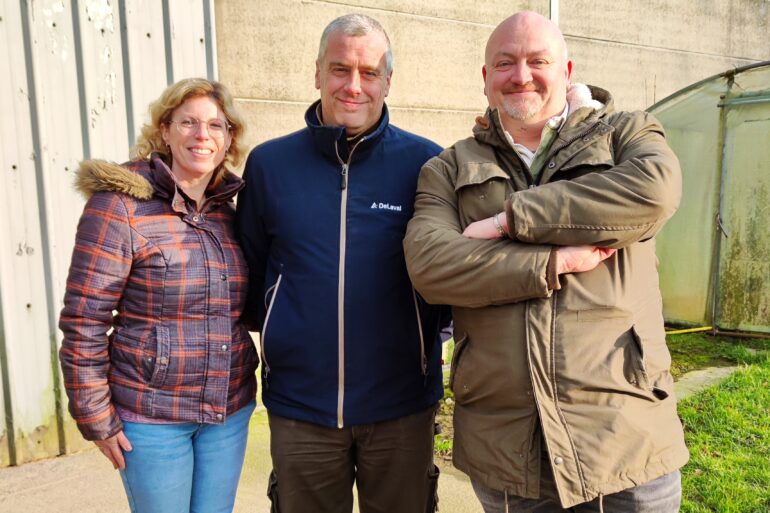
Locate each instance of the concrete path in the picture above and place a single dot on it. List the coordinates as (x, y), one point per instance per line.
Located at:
(86, 483)
(695, 381)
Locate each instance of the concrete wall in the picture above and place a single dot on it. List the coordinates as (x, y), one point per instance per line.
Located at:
(640, 51)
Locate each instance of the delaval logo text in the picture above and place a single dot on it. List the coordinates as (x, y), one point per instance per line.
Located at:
(386, 206)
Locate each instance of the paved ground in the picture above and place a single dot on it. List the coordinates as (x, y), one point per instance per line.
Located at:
(700, 379)
(85, 482)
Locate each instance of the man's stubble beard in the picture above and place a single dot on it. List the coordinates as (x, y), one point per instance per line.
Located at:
(523, 111)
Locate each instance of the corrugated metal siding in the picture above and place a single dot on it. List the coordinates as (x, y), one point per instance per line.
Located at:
(79, 78)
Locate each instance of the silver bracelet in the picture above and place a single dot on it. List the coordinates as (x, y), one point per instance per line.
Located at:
(498, 226)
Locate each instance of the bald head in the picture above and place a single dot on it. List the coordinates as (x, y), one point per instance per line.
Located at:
(525, 25)
(526, 71)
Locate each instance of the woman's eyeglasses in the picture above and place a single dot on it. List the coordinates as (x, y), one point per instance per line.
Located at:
(216, 127)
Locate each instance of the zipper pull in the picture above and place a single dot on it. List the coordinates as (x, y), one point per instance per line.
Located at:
(344, 177)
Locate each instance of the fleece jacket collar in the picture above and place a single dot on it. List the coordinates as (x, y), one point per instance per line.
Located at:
(326, 137)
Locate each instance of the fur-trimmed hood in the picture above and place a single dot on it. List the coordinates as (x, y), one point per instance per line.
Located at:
(104, 176)
(144, 179)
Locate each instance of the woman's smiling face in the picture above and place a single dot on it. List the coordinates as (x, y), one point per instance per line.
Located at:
(197, 149)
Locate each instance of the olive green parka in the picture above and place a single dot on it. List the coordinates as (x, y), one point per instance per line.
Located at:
(587, 361)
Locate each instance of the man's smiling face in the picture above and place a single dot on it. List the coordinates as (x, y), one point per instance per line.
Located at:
(353, 80)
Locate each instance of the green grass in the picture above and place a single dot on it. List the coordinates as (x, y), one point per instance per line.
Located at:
(699, 350)
(727, 428)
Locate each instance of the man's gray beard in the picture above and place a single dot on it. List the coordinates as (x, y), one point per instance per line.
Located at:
(522, 112)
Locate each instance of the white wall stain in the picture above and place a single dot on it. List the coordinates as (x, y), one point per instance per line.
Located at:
(54, 23)
(101, 17)
(99, 12)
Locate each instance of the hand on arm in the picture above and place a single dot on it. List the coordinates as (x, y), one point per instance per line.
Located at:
(566, 259)
(113, 448)
(449, 268)
(577, 259)
(488, 228)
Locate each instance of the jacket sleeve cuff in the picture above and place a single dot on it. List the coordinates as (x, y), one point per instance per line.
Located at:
(551, 275)
(102, 430)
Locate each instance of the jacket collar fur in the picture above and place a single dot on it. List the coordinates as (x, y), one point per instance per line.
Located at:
(143, 179)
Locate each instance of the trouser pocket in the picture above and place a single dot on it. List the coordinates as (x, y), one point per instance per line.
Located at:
(432, 505)
(272, 493)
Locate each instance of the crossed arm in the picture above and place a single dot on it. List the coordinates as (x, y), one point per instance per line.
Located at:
(567, 259)
(560, 227)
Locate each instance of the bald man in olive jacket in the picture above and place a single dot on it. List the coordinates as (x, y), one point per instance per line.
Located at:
(539, 230)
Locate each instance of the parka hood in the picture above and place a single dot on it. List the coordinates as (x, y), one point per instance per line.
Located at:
(104, 176)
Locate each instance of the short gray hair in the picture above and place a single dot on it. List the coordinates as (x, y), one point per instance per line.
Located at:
(355, 25)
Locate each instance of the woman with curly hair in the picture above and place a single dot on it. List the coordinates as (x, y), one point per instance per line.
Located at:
(159, 369)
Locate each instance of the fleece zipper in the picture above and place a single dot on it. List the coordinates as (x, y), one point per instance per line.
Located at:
(263, 333)
(423, 358)
(341, 282)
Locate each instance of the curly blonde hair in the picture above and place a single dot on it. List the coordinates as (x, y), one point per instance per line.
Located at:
(161, 110)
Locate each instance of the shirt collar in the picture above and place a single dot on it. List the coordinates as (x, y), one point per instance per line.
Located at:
(553, 124)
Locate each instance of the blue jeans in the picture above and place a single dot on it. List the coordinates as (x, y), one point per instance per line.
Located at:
(185, 468)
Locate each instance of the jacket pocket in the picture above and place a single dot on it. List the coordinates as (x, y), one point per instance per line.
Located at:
(272, 493)
(591, 152)
(421, 334)
(270, 296)
(482, 189)
(162, 356)
(635, 368)
(460, 346)
(432, 505)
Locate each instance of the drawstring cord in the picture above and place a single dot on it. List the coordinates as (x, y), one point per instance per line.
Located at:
(506, 500)
(601, 503)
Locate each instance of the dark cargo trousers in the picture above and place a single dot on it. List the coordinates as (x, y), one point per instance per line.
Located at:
(391, 462)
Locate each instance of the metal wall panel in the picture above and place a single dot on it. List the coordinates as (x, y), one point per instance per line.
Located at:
(187, 24)
(102, 79)
(64, 138)
(78, 77)
(29, 394)
(11, 64)
(145, 49)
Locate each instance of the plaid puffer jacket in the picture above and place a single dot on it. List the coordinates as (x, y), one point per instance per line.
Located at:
(156, 288)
